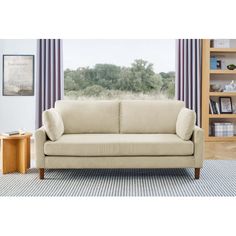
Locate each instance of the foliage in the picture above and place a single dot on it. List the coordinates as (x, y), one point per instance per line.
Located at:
(107, 80)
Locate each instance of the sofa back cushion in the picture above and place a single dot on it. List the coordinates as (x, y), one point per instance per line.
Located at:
(149, 116)
(89, 116)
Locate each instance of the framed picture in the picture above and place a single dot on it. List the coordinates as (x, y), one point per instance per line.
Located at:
(218, 64)
(18, 75)
(226, 105)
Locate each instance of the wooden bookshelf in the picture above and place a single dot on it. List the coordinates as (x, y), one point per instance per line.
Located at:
(207, 75)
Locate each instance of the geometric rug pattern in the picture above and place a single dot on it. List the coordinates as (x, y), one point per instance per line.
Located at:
(218, 178)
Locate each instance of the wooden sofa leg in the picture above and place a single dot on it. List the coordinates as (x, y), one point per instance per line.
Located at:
(41, 173)
(197, 173)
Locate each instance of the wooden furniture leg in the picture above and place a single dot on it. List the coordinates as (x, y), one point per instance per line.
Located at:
(197, 173)
(23, 160)
(41, 173)
(9, 155)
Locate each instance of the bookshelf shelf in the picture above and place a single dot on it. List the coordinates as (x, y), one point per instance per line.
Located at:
(223, 72)
(223, 50)
(223, 94)
(220, 139)
(223, 116)
(220, 77)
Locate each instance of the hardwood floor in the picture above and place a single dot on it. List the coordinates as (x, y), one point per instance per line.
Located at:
(220, 151)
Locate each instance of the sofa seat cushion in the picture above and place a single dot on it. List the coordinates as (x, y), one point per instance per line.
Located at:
(118, 145)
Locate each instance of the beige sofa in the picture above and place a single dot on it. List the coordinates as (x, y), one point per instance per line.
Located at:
(119, 134)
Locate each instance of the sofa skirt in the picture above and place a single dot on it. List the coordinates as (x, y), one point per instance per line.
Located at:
(65, 162)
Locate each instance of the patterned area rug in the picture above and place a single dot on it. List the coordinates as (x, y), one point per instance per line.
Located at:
(218, 178)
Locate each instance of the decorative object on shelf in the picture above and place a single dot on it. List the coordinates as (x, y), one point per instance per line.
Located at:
(221, 43)
(218, 64)
(216, 88)
(223, 62)
(22, 131)
(226, 105)
(230, 87)
(212, 43)
(18, 75)
(231, 67)
(222, 129)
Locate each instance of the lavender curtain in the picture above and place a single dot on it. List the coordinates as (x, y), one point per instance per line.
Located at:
(50, 79)
(188, 74)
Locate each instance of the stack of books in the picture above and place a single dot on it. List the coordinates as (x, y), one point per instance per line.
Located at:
(223, 129)
(214, 107)
(11, 133)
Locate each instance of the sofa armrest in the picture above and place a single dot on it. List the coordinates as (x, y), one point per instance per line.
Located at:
(198, 140)
(40, 139)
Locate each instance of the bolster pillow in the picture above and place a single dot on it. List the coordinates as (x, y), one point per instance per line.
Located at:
(185, 123)
(53, 124)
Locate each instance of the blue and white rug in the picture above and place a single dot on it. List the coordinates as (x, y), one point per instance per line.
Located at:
(218, 178)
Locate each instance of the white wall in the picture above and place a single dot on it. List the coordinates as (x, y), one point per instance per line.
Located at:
(17, 111)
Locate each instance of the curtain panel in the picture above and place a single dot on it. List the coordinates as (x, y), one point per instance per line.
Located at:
(50, 77)
(189, 74)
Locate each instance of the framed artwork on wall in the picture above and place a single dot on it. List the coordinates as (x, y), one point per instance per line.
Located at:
(18, 75)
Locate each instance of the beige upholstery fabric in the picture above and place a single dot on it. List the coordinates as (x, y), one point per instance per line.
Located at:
(101, 150)
(65, 162)
(53, 124)
(40, 139)
(198, 140)
(89, 116)
(149, 116)
(185, 123)
(118, 145)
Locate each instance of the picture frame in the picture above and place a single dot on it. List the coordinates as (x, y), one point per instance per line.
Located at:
(226, 105)
(18, 75)
(218, 64)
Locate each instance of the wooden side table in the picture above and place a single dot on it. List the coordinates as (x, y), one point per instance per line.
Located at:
(15, 153)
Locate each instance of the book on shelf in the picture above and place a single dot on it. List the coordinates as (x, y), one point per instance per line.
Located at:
(211, 108)
(213, 63)
(217, 107)
(214, 107)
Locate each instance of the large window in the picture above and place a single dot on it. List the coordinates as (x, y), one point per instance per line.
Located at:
(119, 69)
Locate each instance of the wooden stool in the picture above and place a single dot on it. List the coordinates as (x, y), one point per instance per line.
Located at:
(15, 153)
